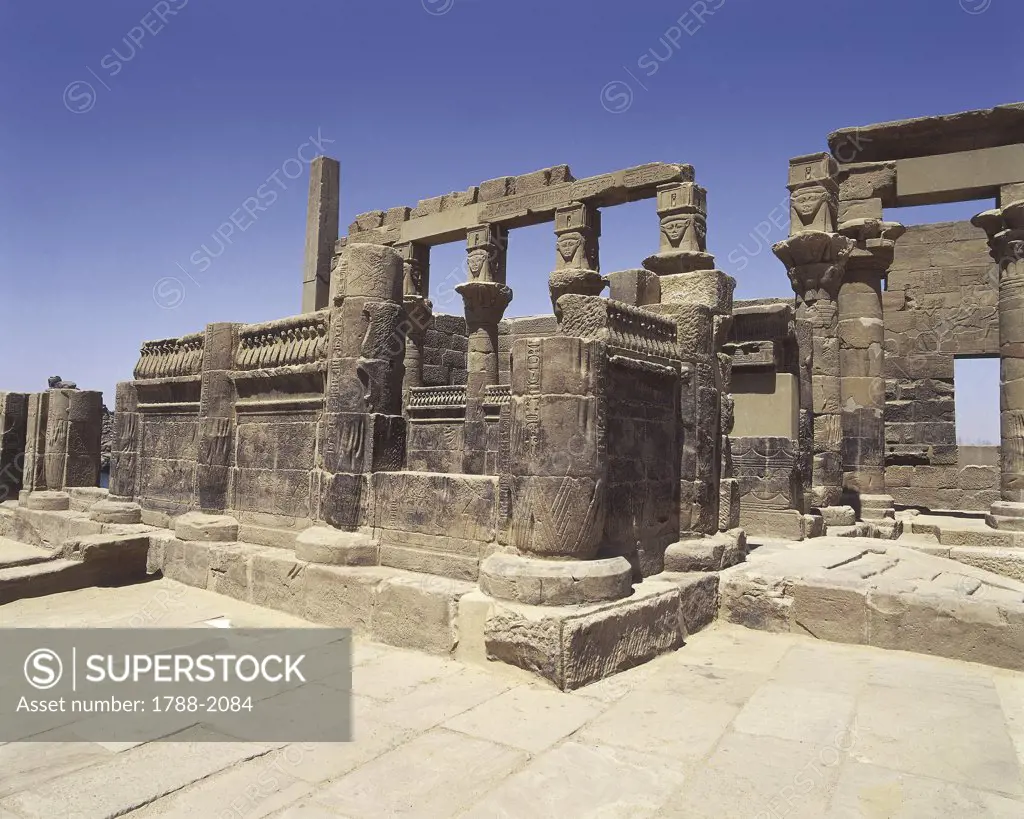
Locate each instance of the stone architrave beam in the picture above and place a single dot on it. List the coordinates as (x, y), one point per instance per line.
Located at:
(511, 202)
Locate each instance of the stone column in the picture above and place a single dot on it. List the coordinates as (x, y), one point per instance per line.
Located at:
(558, 468)
(418, 310)
(124, 448)
(415, 268)
(418, 313)
(698, 298)
(13, 426)
(861, 367)
(1005, 229)
(362, 430)
(216, 418)
(485, 304)
(321, 232)
(485, 296)
(74, 426)
(34, 475)
(815, 257)
(577, 228)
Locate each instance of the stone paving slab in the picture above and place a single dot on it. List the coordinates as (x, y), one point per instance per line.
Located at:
(870, 592)
(735, 723)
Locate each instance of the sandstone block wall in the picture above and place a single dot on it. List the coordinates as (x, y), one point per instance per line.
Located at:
(940, 303)
(168, 453)
(441, 524)
(511, 329)
(445, 344)
(643, 466)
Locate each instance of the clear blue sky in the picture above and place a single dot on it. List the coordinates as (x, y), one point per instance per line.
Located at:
(192, 106)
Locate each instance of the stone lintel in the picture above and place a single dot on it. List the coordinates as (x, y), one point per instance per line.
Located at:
(954, 177)
(925, 136)
(535, 204)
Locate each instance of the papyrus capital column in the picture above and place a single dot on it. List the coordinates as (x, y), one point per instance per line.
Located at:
(1005, 230)
(815, 259)
(485, 303)
(418, 309)
(861, 364)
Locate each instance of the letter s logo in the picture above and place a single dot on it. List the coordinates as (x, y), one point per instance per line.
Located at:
(43, 668)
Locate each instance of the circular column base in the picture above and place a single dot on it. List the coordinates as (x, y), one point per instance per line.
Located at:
(555, 582)
(48, 501)
(1007, 515)
(334, 547)
(206, 528)
(108, 511)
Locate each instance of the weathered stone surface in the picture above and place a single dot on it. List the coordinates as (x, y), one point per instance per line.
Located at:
(206, 528)
(887, 596)
(555, 583)
(925, 136)
(418, 611)
(106, 511)
(708, 554)
(84, 497)
(638, 287)
(573, 647)
(572, 454)
(698, 599)
(48, 501)
(838, 515)
(325, 544)
(117, 549)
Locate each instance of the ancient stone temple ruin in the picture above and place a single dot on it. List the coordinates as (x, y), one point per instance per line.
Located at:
(565, 492)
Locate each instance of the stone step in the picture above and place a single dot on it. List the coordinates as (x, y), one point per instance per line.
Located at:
(393, 606)
(1007, 562)
(93, 560)
(14, 553)
(872, 592)
(40, 579)
(427, 561)
(860, 529)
